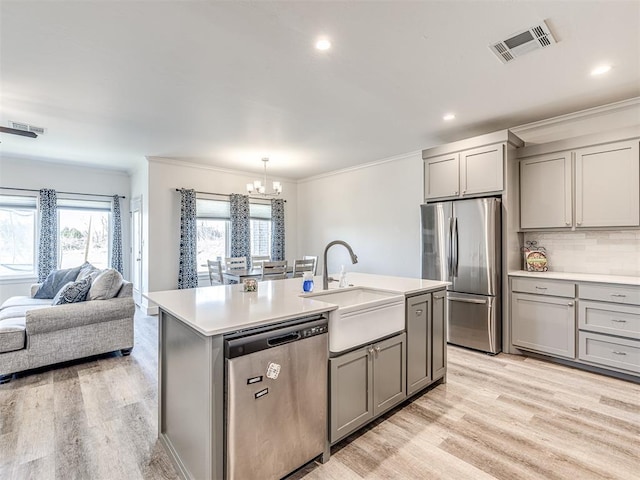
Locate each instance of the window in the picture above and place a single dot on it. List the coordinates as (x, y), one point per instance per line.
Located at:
(214, 230)
(213, 227)
(83, 232)
(260, 228)
(17, 235)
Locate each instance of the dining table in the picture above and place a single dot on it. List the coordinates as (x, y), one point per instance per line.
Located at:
(239, 274)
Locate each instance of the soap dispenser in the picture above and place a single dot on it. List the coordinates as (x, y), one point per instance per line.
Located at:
(343, 278)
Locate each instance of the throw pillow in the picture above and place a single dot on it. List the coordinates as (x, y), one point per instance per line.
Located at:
(106, 285)
(55, 281)
(88, 270)
(73, 292)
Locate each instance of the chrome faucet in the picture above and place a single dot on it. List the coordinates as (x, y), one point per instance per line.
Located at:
(325, 276)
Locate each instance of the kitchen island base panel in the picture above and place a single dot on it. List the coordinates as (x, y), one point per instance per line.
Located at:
(191, 398)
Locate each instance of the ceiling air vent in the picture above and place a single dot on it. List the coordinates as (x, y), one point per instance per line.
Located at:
(26, 127)
(524, 42)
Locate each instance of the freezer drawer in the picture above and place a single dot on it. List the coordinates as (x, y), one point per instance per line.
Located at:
(474, 322)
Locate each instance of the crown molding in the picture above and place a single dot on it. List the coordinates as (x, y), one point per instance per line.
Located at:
(579, 115)
(212, 168)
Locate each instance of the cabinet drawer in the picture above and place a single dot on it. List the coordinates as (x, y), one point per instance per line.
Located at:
(627, 294)
(543, 287)
(619, 353)
(609, 318)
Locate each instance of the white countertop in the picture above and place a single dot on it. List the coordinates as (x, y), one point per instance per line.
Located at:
(579, 277)
(227, 308)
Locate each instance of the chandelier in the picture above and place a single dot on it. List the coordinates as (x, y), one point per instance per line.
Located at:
(260, 188)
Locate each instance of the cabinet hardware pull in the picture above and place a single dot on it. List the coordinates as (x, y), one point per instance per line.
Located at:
(540, 288)
(418, 312)
(377, 349)
(619, 353)
(568, 223)
(455, 193)
(570, 304)
(578, 223)
(618, 321)
(621, 295)
(370, 350)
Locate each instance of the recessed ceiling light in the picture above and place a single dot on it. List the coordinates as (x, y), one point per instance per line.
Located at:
(323, 44)
(449, 116)
(601, 69)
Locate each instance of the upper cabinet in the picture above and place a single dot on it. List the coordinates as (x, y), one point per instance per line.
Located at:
(442, 176)
(546, 191)
(596, 186)
(467, 168)
(608, 185)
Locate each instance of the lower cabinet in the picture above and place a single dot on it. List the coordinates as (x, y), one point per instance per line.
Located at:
(544, 324)
(603, 331)
(439, 335)
(366, 382)
(419, 324)
(426, 340)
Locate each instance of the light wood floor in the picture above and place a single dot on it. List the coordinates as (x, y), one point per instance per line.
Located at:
(503, 417)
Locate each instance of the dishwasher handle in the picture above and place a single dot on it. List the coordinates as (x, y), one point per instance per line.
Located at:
(251, 341)
(282, 339)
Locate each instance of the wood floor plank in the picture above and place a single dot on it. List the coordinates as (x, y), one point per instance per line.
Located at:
(497, 417)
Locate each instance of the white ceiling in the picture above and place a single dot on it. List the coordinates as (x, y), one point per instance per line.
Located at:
(226, 83)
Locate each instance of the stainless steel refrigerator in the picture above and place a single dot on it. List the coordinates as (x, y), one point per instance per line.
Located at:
(461, 244)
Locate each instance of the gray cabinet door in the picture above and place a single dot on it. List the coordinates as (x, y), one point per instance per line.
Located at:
(351, 379)
(418, 342)
(438, 336)
(546, 191)
(544, 324)
(608, 185)
(441, 177)
(481, 170)
(389, 373)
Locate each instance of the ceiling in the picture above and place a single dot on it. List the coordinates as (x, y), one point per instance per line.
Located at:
(227, 83)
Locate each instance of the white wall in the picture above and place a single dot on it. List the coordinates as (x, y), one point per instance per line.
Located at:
(21, 173)
(374, 208)
(164, 212)
(140, 189)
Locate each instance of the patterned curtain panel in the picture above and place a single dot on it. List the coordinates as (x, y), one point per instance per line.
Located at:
(48, 244)
(277, 229)
(116, 237)
(188, 270)
(240, 226)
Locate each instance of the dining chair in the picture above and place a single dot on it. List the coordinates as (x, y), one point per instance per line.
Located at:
(235, 263)
(303, 265)
(315, 262)
(274, 270)
(257, 260)
(215, 272)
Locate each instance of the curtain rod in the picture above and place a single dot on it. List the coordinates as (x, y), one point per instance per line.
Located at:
(227, 195)
(67, 193)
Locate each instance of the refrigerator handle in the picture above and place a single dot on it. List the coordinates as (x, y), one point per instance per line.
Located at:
(454, 247)
(450, 253)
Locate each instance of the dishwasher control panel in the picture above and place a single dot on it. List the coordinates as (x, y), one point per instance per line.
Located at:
(245, 343)
(310, 332)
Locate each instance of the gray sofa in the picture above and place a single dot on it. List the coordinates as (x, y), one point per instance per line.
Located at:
(33, 333)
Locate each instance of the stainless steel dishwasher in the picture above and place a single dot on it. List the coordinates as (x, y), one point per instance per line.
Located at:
(276, 398)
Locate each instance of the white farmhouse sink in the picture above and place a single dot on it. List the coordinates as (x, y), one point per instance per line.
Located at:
(363, 315)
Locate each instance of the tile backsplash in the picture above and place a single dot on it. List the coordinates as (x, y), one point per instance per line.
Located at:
(606, 252)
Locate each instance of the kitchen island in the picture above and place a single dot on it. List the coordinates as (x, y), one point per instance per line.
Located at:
(191, 376)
